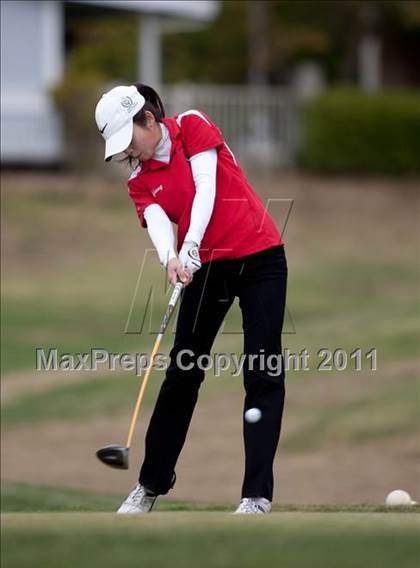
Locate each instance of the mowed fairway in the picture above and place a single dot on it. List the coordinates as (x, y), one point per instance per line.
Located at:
(211, 539)
(47, 527)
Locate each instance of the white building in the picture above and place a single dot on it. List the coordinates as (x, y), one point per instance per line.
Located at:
(33, 61)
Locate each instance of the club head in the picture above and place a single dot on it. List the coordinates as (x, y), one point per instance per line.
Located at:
(114, 456)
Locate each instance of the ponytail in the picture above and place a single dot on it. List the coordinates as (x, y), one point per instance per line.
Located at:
(153, 104)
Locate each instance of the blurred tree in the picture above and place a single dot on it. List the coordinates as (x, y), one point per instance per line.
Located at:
(322, 30)
(101, 49)
(101, 42)
(257, 40)
(216, 54)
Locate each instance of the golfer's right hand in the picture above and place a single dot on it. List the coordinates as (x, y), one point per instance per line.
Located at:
(177, 273)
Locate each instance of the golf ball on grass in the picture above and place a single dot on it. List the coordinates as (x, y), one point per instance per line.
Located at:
(398, 497)
(252, 415)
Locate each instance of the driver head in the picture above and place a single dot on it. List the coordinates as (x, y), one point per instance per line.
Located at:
(114, 456)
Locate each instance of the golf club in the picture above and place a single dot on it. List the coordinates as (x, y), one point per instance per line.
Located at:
(115, 455)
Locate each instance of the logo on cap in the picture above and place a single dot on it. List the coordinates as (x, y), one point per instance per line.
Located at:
(128, 103)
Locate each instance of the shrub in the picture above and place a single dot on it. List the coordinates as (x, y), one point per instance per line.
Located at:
(76, 98)
(348, 131)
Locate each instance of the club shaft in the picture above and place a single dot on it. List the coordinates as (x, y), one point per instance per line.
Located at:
(142, 391)
(172, 303)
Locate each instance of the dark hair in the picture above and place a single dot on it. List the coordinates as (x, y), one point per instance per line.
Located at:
(154, 105)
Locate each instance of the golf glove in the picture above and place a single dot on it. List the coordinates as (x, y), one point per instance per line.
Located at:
(190, 257)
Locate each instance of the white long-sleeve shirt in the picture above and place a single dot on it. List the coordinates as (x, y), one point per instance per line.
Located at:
(203, 167)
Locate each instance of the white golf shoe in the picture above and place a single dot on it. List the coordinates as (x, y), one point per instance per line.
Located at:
(138, 501)
(253, 506)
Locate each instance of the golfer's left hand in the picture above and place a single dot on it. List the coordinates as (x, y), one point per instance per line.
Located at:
(176, 272)
(190, 256)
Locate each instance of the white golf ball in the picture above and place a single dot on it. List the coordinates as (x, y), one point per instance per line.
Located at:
(398, 497)
(253, 415)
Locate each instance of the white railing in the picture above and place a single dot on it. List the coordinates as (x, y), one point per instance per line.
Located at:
(258, 123)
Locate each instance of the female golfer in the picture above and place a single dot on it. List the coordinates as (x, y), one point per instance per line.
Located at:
(228, 246)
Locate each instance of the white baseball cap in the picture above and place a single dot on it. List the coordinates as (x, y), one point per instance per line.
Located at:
(114, 117)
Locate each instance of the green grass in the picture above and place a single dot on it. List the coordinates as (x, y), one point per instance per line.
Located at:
(75, 316)
(75, 324)
(22, 497)
(95, 395)
(26, 498)
(377, 299)
(47, 527)
(210, 540)
(73, 258)
(388, 411)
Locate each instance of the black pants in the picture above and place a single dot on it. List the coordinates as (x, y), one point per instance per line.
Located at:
(259, 280)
